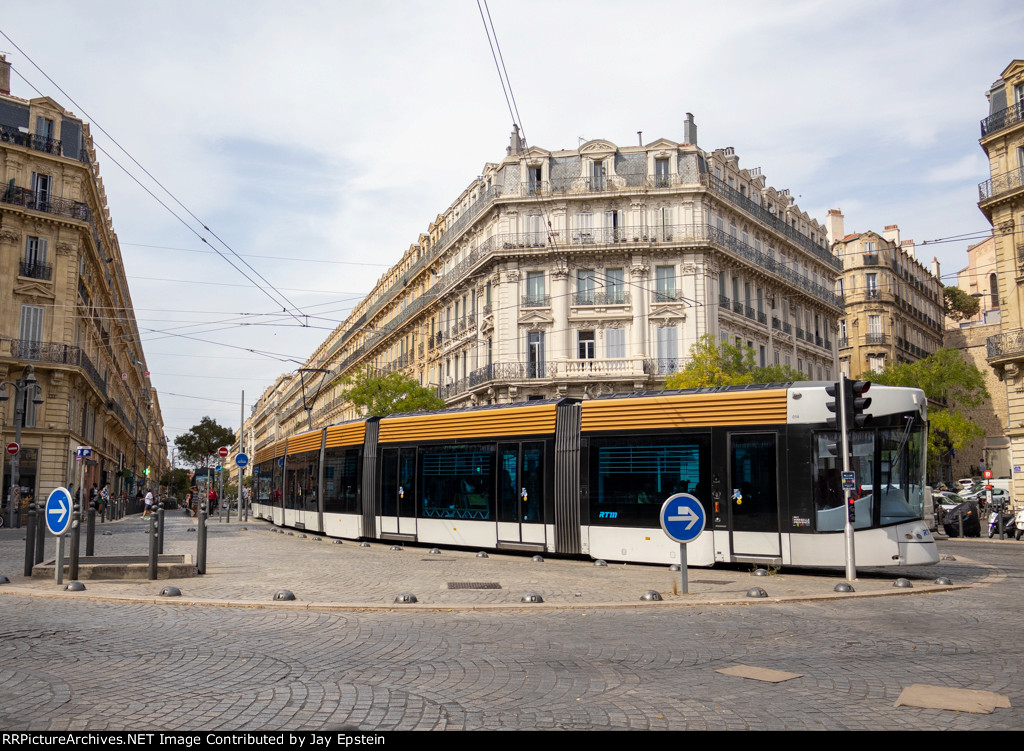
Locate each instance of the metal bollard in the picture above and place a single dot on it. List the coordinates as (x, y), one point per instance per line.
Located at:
(40, 536)
(152, 547)
(76, 541)
(160, 527)
(960, 520)
(201, 536)
(90, 530)
(30, 539)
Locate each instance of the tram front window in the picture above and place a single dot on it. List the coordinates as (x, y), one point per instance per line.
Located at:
(829, 499)
(902, 457)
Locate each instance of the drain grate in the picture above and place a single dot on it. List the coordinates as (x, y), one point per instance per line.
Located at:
(474, 585)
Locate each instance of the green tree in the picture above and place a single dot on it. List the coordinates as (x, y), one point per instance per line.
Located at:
(388, 394)
(951, 384)
(959, 305)
(201, 442)
(725, 364)
(176, 481)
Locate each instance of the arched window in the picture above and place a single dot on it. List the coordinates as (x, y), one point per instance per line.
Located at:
(993, 287)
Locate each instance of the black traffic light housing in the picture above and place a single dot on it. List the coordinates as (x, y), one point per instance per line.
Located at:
(833, 406)
(856, 404)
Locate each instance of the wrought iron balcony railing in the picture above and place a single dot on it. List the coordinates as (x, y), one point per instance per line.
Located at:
(58, 354)
(1007, 344)
(35, 270)
(1002, 119)
(43, 202)
(10, 134)
(1001, 184)
(601, 298)
(874, 338)
(536, 301)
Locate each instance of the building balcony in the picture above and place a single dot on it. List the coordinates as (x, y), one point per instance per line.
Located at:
(1005, 347)
(55, 354)
(580, 370)
(601, 298)
(34, 270)
(1002, 119)
(874, 338)
(999, 184)
(38, 201)
(12, 135)
(536, 301)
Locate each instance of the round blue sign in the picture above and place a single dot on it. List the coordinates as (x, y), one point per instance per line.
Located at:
(58, 511)
(682, 517)
(241, 460)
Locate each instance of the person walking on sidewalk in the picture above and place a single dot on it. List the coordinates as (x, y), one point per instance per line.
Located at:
(149, 504)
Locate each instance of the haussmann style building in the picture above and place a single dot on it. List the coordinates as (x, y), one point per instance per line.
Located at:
(70, 349)
(1001, 200)
(582, 272)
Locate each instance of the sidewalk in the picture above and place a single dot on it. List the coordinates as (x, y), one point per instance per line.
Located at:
(247, 563)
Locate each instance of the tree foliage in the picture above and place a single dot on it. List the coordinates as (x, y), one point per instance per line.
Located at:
(714, 364)
(388, 394)
(202, 441)
(959, 305)
(951, 384)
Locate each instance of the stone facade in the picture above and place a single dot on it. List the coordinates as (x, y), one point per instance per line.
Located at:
(65, 310)
(1001, 200)
(584, 272)
(893, 303)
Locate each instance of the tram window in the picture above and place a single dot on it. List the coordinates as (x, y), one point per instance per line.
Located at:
(829, 499)
(301, 481)
(902, 463)
(342, 480)
(632, 477)
(457, 482)
(264, 484)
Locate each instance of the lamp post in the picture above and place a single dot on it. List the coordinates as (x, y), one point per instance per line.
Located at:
(22, 388)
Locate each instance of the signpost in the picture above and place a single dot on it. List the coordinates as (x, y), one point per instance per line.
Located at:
(682, 518)
(57, 513)
(13, 448)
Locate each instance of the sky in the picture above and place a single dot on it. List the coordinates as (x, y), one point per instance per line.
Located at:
(319, 139)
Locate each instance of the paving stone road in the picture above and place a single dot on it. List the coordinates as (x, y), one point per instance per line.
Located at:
(225, 657)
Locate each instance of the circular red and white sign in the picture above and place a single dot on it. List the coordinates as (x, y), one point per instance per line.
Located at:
(222, 451)
(13, 448)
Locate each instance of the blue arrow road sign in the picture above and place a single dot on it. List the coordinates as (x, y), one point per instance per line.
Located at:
(241, 460)
(58, 511)
(682, 518)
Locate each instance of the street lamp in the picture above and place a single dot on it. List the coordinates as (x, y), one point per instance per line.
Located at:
(22, 388)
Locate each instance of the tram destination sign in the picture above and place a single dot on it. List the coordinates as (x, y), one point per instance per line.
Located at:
(682, 518)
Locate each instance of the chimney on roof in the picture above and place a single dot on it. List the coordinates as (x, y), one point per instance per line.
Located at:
(892, 234)
(936, 268)
(834, 225)
(5, 75)
(515, 142)
(689, 130)
(908, 247)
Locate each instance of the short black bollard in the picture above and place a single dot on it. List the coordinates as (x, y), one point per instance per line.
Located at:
(201, 537)
(90, 530)
(152, 548)
(40, 535)
(76, 540)
(30, 539)
(160, 527)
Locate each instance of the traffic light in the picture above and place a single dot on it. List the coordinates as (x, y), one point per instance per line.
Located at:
(851, 509)
(833, 406)
(857, 403)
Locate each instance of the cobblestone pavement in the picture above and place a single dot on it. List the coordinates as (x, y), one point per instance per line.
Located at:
(224, 657)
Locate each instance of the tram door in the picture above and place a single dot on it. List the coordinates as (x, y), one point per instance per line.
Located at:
(753, 496)
(521, 493)
(398, 493)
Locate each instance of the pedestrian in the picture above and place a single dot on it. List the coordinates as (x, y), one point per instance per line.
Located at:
(149, 504)
(104, 499)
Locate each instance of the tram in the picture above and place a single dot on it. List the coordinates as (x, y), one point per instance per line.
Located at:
(588, 477)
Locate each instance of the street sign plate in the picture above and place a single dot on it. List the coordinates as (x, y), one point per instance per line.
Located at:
(83, 452)
(58, 511)
(13, 448)
(222, 452)
(241, 460)
(682, 517)
(849, 480)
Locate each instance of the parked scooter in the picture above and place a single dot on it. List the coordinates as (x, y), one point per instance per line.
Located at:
(1018, 521)
(997, 513)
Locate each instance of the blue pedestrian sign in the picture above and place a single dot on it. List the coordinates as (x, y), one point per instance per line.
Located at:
(58, 511)
(682, 518)
(241, 460)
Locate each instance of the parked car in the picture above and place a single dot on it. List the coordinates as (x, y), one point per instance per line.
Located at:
(944, 502)
(966, 483)
(968, 510)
